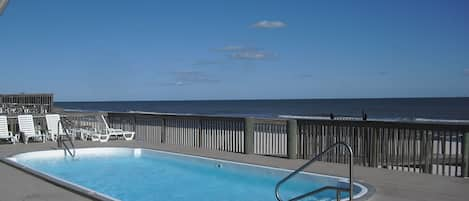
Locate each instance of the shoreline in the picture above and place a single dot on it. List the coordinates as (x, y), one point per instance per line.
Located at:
(453, 110)
(287, 116)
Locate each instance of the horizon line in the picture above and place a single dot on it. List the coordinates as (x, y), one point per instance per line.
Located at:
(266, 99)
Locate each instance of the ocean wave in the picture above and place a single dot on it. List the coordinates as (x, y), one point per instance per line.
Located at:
(82, 110)
(442, 120)
(160, 113)
(425, 120)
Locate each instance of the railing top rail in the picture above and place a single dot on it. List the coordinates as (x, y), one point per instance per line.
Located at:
(61, 114)
(169, 115)
(450, 126)
(34, 116)
(271, 121)
(391, 124)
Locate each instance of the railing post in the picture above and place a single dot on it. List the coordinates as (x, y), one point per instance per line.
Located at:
(134, 122)
(426, 151)
(163, 131)
(373, 148)
(465, 155)
(199, 142)
(249, 135)
(429, 153)
(292, 138)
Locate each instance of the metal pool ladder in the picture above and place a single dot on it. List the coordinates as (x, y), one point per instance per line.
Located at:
(338, 189)
(61, 143)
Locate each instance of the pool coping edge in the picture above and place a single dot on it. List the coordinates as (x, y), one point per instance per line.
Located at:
(369, 190)
(89, 193)
(75, 188)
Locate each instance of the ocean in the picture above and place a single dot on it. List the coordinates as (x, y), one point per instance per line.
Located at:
(384, 108)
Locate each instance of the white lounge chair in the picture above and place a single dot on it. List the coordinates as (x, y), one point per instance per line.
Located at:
(87, 133)
(4, 133)
(26, 124)
(54, 128)
(108, 132)
(101, 137)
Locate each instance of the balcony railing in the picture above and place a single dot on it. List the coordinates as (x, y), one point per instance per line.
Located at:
(433, 148)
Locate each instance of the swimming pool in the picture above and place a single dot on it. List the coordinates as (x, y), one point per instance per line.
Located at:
(134, 174)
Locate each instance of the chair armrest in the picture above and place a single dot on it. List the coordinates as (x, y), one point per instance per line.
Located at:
(115, 129)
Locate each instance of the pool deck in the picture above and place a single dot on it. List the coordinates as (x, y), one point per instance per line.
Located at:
(389, 185)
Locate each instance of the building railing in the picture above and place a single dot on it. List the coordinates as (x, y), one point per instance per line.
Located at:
(15, 104)
(433, 148)
(406, 146)
(270, 137)
(219, 133)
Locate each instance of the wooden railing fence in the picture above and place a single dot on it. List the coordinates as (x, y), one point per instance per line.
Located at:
(432, 148)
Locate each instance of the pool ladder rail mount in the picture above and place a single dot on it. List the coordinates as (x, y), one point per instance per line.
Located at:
(62, 143)
(338, 189)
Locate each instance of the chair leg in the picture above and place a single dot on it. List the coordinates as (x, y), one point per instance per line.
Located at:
(105, 139)
(128, 136)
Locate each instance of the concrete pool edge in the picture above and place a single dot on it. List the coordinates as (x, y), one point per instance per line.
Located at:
(367, 191)
(75, 188)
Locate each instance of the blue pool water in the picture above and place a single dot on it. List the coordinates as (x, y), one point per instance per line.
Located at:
(144, 175)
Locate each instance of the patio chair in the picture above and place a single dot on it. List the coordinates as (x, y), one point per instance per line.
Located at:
(101, 137)
(27, 130)
(87, 134)
(4, 133)
(108, 131)
(54, 128)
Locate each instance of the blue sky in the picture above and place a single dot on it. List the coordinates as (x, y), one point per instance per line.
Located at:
(181, 50)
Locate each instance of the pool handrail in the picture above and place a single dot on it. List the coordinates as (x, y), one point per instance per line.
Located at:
(61, 142)
(338, 189)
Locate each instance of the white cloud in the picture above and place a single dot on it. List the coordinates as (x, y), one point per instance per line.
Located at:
(191, 77)
(245, 53)
(250, 55)
(265, 24)
(230, 48)
(185, 78)
(208, 62)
